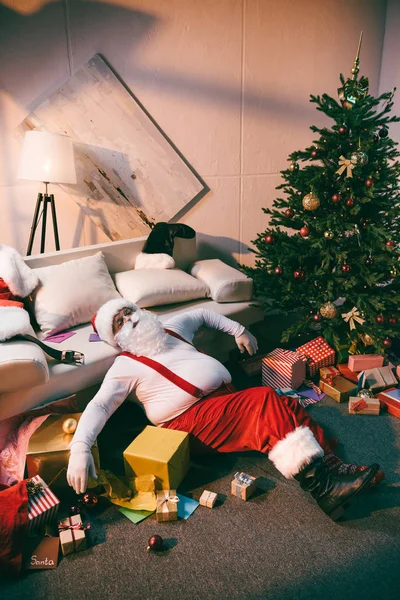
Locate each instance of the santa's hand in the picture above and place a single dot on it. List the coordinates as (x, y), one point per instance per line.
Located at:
(248, 342)
(80, 464)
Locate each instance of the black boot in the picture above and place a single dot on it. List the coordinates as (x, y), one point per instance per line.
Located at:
(331, 491)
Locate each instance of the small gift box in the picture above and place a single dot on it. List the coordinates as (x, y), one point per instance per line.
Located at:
(319, 353)
(42, 504)
(347, 373)
(339, 388)
(283, 368)
(208, 499)
(41, 551)
(162, 452)
(72, 535)
(167, 506)
(364, 406)
(377, 379)
(362, 362)
(243, 486)
(328, 373)
(390, 400)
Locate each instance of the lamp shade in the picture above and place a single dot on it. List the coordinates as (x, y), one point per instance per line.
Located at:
(47, 157)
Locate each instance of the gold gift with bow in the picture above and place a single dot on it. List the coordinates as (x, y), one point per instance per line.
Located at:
(352, 317)
(167, 506)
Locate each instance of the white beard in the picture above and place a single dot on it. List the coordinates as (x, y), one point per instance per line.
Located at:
(147, 338)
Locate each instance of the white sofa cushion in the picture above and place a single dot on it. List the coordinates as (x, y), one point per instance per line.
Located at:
(153, 287)
(226, 283)
(22, 365)
(70, 293)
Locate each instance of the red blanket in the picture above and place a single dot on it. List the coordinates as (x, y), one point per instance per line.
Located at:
(13, 523)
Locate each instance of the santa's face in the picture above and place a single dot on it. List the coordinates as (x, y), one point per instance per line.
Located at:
(140, 332)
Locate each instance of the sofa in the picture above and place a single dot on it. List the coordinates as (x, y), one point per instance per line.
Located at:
(34, 379)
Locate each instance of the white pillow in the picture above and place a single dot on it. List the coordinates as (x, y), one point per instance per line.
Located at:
(152, 287)
(226, 283)
(70, 293)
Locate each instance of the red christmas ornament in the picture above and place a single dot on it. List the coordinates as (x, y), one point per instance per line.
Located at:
(369, 183)
(392, 320)
(390, 244)
(74, 510)
(155, 542)
(380, 319)
(289, 212)
(89, 499)
(269, 239)
(314, 153)
(346, 268)
(299, 274)
(387, 343)
(365, 224)
(317, 317)
(278, 271)
(304, 231)
(336, 198)
(349, 202)
(369, 261)
(343, 129)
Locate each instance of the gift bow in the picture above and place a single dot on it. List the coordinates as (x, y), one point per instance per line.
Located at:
(345, 164)
(329, 379)
(360, 405)
(353, 316)
(167, 498)
(63, 527)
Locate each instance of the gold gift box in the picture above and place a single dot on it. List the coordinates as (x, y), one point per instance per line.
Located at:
(167, 506)
(243, 489)
(160, 452)
(340, 390)
(372, 408)
(48, 451)
(71, 539)
(208, 499)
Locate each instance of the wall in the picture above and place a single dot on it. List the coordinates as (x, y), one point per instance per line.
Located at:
(228, 80)
(390, 69)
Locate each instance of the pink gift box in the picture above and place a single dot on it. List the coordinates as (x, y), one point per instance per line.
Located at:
(283, 368)
(362, 362)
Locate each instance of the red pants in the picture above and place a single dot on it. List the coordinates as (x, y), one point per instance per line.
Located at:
(252, 419)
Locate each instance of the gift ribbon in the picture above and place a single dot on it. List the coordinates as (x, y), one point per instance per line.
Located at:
(163, 502)
(353, 316)
(72, 527)
(346, 164)
(360, 405)
(313, 386)
(244, 478)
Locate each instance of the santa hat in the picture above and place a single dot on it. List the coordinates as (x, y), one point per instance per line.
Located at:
(159, 246)
(102, 321)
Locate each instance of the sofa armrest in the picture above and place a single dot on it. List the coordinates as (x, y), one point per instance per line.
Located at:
(226, 283)
(22, 365)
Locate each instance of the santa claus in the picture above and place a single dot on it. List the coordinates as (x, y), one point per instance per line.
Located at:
(182, 388)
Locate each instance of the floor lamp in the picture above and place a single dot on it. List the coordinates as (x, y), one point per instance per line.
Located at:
(46, 157)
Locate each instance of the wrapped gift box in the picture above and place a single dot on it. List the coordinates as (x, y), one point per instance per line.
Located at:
(72, 535)
(347, 373)
(362, 362)
(328, 373)
(283, 368)
(243, 486)
(319, 354)
(377, 379)
(364, 406)
(340, 389)
(390, 400)
(163, 453)
(48, 451)
(208, 499)
(42, 506)
(167, 506)
(41, 551)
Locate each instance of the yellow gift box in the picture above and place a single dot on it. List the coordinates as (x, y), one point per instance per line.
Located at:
(161, 452)
(48, 451)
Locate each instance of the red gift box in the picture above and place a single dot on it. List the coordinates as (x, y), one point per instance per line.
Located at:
(283, 368)
(391, 404)
(319, 353)
(347, 373)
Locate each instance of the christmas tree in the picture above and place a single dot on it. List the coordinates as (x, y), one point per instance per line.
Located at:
(329, 253)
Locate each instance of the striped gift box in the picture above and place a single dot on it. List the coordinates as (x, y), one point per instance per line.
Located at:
(319, 353)
(283, 368)
(42, 507)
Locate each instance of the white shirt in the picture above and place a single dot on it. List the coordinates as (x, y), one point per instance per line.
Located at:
(161, 399)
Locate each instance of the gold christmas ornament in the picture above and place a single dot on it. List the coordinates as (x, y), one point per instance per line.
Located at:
(353, 90)
(329, 235)
(393, 271)
(294, 166)
(365, 394)
(311, 201)
(328, 310)
(69, 425)
(367, 339)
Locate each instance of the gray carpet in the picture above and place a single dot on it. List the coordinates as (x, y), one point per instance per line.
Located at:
(278, 545)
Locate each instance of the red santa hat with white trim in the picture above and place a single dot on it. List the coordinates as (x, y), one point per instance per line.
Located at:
(102, 321)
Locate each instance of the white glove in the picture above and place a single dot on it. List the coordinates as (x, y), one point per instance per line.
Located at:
(80, 464)
(248, 342)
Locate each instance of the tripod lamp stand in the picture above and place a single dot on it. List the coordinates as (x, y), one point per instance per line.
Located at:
(46, 157)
